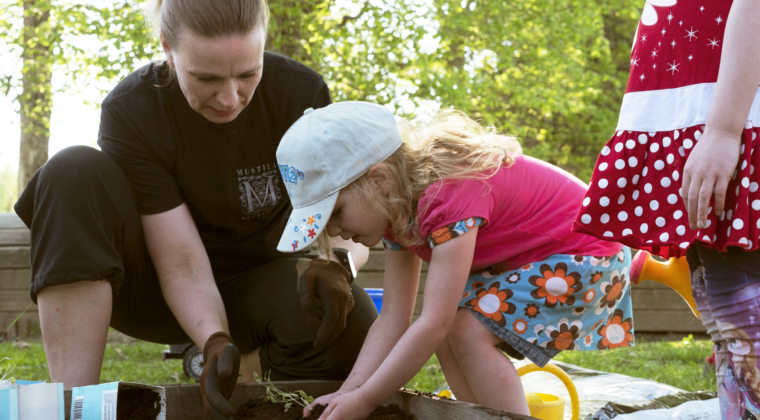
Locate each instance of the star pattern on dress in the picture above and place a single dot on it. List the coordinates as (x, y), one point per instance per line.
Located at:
(681, 53)
(691, 33)
(673, 67)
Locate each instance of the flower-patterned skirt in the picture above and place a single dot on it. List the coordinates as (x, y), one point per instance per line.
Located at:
(565, 302)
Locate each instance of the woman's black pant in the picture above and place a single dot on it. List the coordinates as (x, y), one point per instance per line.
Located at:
(85, 226)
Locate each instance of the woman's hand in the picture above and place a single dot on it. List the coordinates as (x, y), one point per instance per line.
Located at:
(323, 400)
(708, 170)
(350, 406)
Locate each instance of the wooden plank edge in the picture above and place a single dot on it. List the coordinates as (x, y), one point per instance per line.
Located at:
(184, 402)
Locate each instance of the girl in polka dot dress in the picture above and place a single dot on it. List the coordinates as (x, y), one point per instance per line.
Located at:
(679, 178)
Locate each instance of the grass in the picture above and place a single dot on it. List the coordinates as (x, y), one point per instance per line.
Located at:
(679, 364)
(131, 362)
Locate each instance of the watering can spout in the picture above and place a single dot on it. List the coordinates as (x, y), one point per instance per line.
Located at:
(673, 273)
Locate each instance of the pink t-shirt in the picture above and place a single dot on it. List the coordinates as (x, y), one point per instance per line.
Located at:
(529, 208)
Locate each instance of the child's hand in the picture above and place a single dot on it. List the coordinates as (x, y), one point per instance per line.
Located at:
(323, 400)
(350, 406)
(709, 169)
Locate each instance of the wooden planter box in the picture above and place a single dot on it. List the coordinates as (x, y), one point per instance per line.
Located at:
(183, 402)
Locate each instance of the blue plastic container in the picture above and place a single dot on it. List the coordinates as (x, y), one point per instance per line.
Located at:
(377, 297)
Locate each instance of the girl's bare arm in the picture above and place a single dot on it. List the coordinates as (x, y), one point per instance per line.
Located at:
(714, 158)
(449, 269)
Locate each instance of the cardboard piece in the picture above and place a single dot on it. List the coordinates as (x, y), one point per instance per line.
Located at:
(9, 403)
(32, 402)
(99, 402)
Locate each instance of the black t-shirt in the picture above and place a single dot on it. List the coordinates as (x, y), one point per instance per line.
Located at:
(226, 173)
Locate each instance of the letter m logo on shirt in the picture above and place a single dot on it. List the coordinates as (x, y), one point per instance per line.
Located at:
(259, 193)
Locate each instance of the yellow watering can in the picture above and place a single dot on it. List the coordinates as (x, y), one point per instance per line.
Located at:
(673, 273)
(551, 407)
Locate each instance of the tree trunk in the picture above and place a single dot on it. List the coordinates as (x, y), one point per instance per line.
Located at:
(36, 99)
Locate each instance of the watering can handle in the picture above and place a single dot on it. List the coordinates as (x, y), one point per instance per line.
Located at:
(559, 373)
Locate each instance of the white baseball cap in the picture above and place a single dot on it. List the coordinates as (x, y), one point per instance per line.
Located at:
(323, 152)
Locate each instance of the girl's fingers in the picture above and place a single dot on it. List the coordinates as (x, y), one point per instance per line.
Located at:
(705, 192)
(685, 191)
(693, 201)
(721, 187)
(326, 413)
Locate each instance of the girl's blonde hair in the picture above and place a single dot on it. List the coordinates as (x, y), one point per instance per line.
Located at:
(451, 147)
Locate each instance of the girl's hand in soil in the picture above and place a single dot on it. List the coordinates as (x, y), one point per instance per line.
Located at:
(324, 400)
(351, 406)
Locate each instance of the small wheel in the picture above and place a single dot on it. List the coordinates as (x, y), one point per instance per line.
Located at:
(192, 363)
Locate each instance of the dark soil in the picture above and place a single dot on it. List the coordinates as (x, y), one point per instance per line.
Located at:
(137, 404)
(259, 410)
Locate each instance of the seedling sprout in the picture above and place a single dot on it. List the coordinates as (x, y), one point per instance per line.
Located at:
(275, 395)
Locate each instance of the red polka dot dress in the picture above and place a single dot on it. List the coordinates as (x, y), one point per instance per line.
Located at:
(634, 195)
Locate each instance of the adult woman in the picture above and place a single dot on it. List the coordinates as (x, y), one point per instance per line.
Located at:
(175, 224)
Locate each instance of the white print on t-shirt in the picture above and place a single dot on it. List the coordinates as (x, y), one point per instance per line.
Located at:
(259, 193)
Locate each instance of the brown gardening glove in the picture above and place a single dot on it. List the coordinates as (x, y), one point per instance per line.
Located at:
(326, 296)
(220, 374)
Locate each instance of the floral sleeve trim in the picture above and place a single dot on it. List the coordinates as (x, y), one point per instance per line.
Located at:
(392, 246)
(454, 230)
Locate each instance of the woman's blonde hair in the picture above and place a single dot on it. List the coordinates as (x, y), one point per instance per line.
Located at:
(207, 18)
(451, 147)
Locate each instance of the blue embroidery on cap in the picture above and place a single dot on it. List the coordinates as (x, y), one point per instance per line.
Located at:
(291, 174)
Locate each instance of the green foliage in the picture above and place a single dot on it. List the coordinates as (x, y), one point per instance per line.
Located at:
(44, 35)
(276, 396)
(552, 73)
(8, 189)
(542, 70)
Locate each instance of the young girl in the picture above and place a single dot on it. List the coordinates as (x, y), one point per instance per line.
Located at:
(679, 177)
(506, 273)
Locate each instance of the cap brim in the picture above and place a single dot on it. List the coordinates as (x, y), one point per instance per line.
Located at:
(305, 224)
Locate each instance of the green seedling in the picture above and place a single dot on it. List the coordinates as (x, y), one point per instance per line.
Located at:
(4, 372)
(277, 396)
(14, 322)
